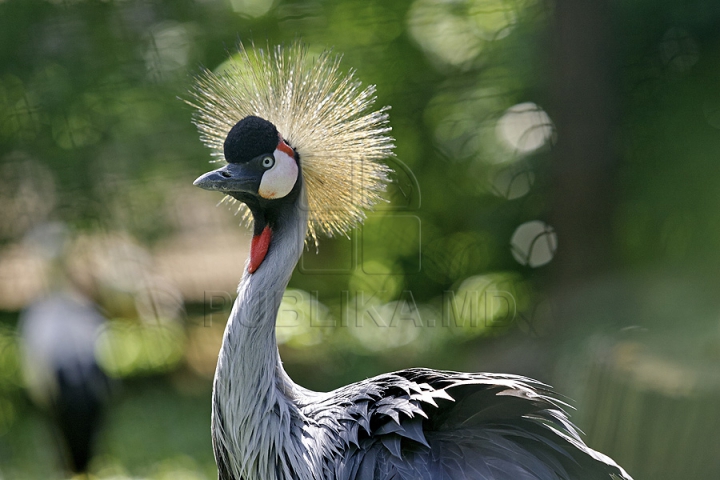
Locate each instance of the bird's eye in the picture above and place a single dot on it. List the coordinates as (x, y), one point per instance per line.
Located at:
(268, 162)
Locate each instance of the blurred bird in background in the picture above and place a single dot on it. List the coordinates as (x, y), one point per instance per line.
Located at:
(302, 149)
(58, 334)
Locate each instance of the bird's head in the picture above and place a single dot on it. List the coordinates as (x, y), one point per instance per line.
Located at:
(261, 170)
(286, 124)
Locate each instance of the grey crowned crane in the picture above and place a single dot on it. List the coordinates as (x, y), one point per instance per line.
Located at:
(302, 150)
(59, 333)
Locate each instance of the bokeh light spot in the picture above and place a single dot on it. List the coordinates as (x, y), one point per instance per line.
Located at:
(513, 182)
(444, 31)
(19, 110)
(168, 50)
(525, 127)
(482, 301)
(387, 326)
(534, 243)
(300, 319)
(252, 8)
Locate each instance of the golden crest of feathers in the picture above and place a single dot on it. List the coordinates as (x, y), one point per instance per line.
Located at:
(322, 113)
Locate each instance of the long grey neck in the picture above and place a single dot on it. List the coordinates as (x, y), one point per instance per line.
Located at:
(255, 420)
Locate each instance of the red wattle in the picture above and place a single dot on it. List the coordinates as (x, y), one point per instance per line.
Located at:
(284, 147)
(259, 248)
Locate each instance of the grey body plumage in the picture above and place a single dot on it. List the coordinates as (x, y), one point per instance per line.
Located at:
(415, 424)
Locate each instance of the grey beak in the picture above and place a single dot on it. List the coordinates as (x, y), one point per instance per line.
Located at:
(230, 178)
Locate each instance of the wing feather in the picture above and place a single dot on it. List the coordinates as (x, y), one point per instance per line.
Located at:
(421, 424)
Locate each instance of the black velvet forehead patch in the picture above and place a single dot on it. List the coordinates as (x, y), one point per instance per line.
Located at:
(250, 137)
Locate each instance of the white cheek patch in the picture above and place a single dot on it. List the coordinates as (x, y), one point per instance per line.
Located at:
(280, 179)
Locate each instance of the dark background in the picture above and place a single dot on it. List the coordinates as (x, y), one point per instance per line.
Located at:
(560, 155)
